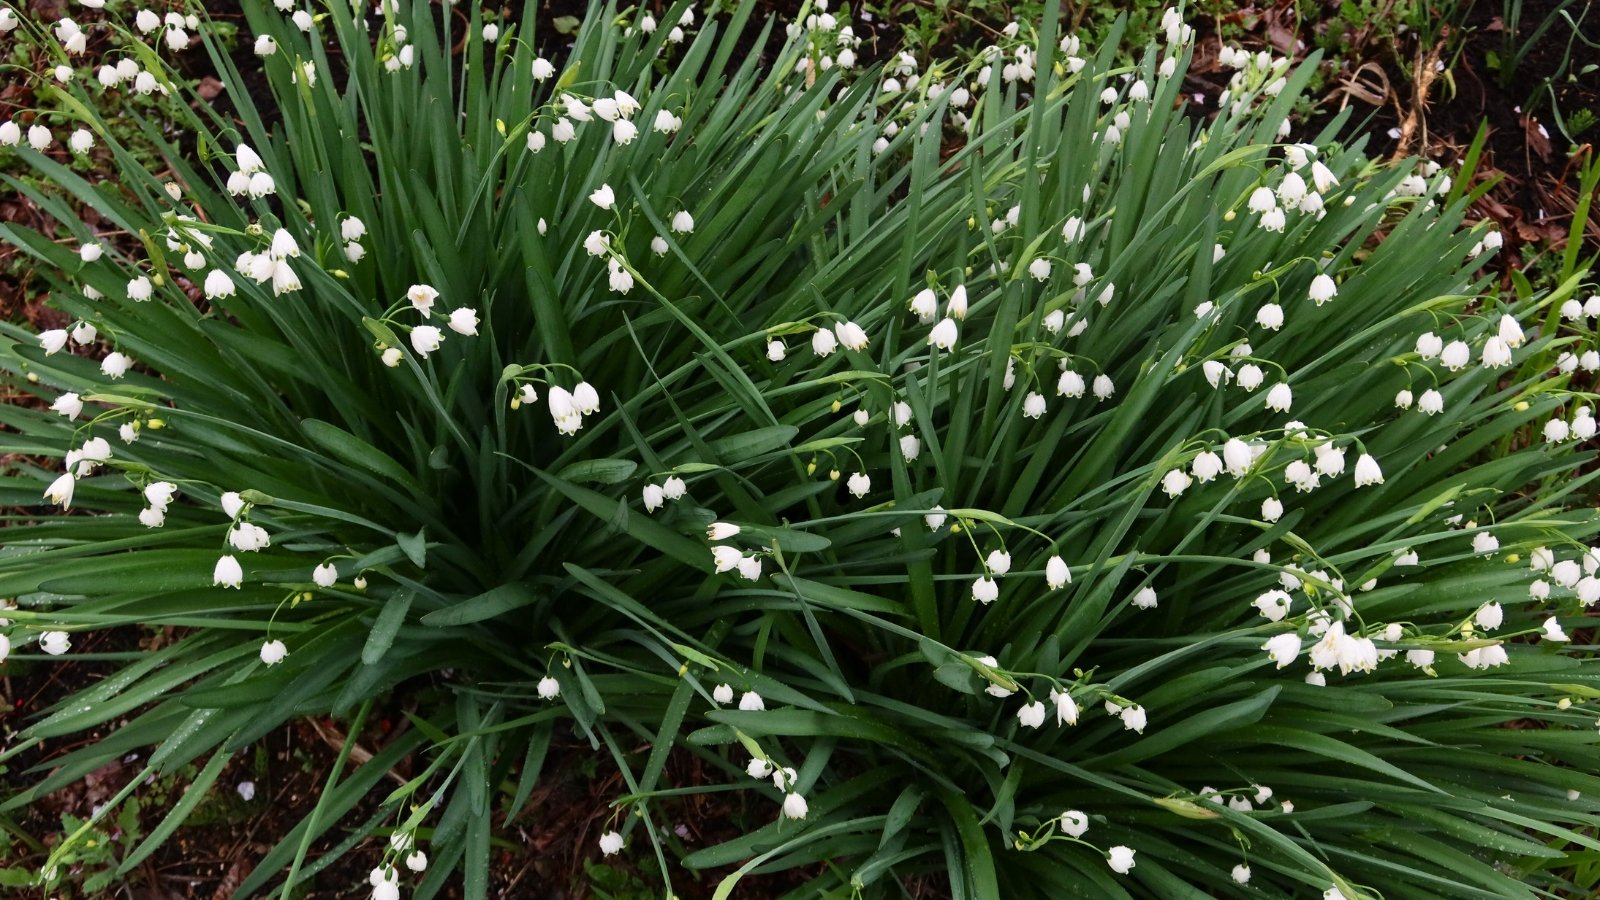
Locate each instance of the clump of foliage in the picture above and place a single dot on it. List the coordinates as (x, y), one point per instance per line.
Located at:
(1018, 482)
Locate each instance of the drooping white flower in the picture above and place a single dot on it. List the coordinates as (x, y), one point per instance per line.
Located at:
(422, 297)
(851, 335)
(1552, 630)
(654, 498)
(823, 343)
(1145, 598)
(1283, 648)
(1431, 402)
(751, 701)
(1066, 709)
(1056, 573)
(859, 484)
(1271, 509)
(603, 197)
(1490, 616)
(425, 339)
(548, 688)
(55, 643)
(794, 806)
(1496, 353)
(1455, 356)
(1367, 471)
(1134, 718)
(464, 320)
(1485, 542)
(1270, 316)
(68, 404)
(944, 334)
(722, 694)
(227, 573)
(985, 590)
(1031, 715)
(1322, 289)
(1033, 405)
(610, 843)
(273, 652)
(1280, 397)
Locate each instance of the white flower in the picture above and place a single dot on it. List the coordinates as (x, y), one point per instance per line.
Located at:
(1120, 859)
(751, 701)
(1489, 616)
(985, 590)
(999, 562)
(1283, 648)
(1145, 598)
(603, 197)
(1175, 482)
(823, 343)
(1485, 542)
(1510, 330)
(273, 652)
(1066, 709)
(1074, 823)
(549, 688)
(1431, 402)
(1367, 471)
(1280, 397)
(1070, 384)
(722, 695)
(1274, 605)
(750, 568)
(925, 303)
(422, 297)
(325, 575)
(159, 493)
(1261, 200)
(956, 307)
(1056, 573)
(1206, 466)
(683, 222)
(1556, 431)
(53, 340)
(115, 365)
(1420, 658)
(1552, 630)
(910, 446)
(1455, 355)
(1134, 719)
(859, 484)
(1103, 387)
(1033, 405)
(944, 335)
(851, 335)
(1270, 316)
(776, 351)
(610, 843)
(68, 404)
(425, 339)
(935, 518)
(464, 320)
(1496, 353)
(1031, 715)
(654, 497)
(666, 122)
(391, 356)
(542, 69)
(1039, 269)
(726, 559)
(248, 538)
(227, 573)
(1322, 289)
(1250, 377)
(55, 643)
(794, 807)
(140, 289)
(218, 285)
(1271, 509)
(417, 861)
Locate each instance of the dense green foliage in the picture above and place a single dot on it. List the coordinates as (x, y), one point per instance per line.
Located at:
(495, 552)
